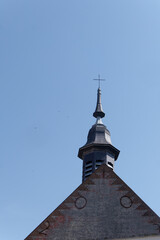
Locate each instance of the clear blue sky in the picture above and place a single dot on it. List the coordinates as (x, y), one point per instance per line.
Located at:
(50, 50)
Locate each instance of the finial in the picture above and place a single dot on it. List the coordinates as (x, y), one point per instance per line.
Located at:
(99, 111)
(99, 80)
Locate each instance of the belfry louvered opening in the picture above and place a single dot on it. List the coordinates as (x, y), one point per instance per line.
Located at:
(98, 163)
(88, 168)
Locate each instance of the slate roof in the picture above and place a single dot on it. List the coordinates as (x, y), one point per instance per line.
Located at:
(102, 207)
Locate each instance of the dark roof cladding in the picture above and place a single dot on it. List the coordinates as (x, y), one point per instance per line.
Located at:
(102, 207)
(99, 111)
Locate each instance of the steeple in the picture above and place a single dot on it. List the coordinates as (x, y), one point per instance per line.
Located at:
(103, 206)
(98, 149)
(99, 112)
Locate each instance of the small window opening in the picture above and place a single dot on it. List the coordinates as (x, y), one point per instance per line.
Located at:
(97, 165)
(111, 164)
(89, 164)
(88, 171)
(88, 174)
(99, 161)
(87, 167)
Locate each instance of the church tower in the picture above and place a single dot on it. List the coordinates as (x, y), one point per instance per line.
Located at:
(98, 150)
(103, 206)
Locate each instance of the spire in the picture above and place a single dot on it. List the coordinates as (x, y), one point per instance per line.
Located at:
(98, 149)
(99, 111)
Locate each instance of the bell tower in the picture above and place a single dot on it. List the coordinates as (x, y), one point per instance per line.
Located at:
(103, 206)
(98, 149)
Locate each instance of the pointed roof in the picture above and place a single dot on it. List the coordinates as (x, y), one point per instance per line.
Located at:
(99, 111)
(102, 207)
(99, 136)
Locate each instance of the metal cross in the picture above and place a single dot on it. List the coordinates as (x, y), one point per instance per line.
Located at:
(99, 79)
